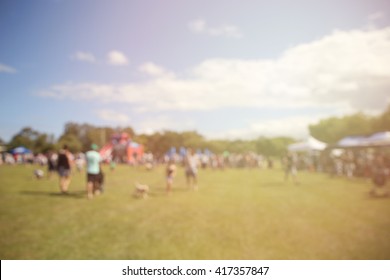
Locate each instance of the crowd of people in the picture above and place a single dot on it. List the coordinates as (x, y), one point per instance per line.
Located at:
(369, 163)
(224, 160)
(62, 163)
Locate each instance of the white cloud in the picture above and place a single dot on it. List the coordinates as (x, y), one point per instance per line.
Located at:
(197, 26)
(293, 126)
(163, 122)
(157, 123)
(117, 58)
(348, 70)
(226, 30)
(155, 71)
(81, 92)
(296, 127)
(6, 69)
(84, 56)
(376, 16)
(112, 116)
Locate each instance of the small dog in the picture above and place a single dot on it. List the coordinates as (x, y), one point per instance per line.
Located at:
(149, 166)
(141, 191)
(38, 173)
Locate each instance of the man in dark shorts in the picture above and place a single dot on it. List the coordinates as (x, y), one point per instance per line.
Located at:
(94, 175)
(64, 163)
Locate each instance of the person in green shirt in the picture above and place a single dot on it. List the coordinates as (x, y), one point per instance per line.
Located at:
(93, 159)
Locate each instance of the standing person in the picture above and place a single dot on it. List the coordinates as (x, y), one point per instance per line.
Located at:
(51, 163)
(191, 168)
(94, 174)
(64, 165)
(80, 161)
(170, 172)
(379, 175)
(291, 162)
(112, 165)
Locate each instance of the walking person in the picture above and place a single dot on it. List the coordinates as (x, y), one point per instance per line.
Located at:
(291, 166)
(191, 169)
(94, 174)
(64, 166)
(51, 163)
(170, 173)
(379, 176)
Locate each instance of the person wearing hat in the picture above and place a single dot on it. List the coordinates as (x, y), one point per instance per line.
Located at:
(93, 159)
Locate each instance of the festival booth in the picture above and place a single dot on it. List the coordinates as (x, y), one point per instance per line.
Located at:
(352, 142)
(20, 151)
(176, 155)
(373, 143)
(309, 145)
(379, 139)
(349, 143)
(122, 149)
(22, 154)
(309, 153)
(367, 154)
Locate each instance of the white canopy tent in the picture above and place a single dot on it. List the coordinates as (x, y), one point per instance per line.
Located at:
(375, 140)
(379, 139)
(352, 141)
(310, 144)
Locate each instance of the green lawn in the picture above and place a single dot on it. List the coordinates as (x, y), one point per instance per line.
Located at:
(236, 214)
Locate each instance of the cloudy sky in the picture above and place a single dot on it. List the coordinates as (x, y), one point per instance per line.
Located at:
(226, 68)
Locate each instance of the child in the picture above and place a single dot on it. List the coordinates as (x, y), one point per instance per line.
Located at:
(170, 172)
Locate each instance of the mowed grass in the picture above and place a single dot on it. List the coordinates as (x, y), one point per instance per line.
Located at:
(235, 214)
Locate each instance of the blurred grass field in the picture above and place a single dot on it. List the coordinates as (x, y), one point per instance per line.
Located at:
(236, 214)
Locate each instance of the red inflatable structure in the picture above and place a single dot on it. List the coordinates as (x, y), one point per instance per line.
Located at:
(122, 149)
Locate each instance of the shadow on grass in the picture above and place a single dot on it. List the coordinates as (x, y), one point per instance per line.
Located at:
(377, 196)
(162, 192)
(74, 194)
(275, 184)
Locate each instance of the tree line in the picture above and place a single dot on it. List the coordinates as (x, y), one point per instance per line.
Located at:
(79, 137)
(331, 130)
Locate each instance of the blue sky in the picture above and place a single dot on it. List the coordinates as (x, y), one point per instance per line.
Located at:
(226, 68)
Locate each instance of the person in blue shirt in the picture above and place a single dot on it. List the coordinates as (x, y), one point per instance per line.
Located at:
(94, 174)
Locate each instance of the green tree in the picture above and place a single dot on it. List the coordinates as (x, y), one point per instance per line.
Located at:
(34, 140)
(25, 138)
(382, 122)
(44, 143)
(88, 134)
(217, 146)
(191, 139)
(72, 141)
(333, 129)
(273, 146)
(240, 146)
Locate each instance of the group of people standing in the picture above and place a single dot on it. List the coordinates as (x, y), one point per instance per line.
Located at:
(64, 163)
(64, 166)
(191, 163)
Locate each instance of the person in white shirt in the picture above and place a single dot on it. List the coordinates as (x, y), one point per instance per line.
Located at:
(191, 169)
